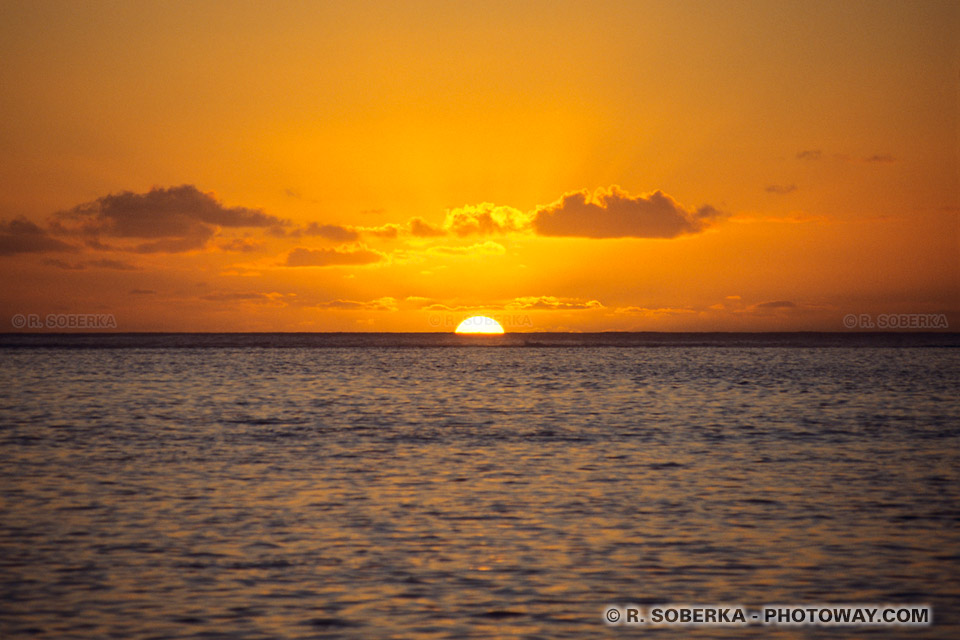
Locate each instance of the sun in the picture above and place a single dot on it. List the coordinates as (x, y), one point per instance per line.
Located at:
(480, 324)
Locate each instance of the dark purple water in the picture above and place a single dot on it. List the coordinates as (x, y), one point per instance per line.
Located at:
(158, 487)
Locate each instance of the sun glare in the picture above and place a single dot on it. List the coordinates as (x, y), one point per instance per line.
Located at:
(480, 324)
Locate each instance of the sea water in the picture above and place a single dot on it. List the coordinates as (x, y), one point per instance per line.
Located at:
(380, 486)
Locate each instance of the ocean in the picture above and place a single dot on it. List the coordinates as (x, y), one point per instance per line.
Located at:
(441, 486)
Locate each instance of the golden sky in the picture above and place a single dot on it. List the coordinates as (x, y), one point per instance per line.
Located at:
(398, 166)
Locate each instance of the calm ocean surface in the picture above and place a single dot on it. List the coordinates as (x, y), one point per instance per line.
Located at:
(378, 486)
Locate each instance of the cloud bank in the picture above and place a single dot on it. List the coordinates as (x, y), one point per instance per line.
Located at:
(607, 213)
(613, 213)
(170, 220)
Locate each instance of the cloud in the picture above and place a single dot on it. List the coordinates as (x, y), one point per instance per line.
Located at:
(776, 304)
(438, 306)
(342, 233)
(235, 297)
(380, 304)
(241, 245)
(552, 303)
(485, 219)
(171, 220)
(334, 232)
(781, 189)
(811, 154)
(654, 312)
(301, 257)
(613, 213)
(61, 264)
(523, 303)
(22, 236)
(388, 231)
(607, 213)
(881, 157)
(118, 265)
(420, 228)
(796, 218)
(488, 248)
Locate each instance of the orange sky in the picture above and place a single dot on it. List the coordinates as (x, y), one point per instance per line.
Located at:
(397, 166)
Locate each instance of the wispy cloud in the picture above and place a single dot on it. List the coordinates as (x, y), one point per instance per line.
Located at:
(488, 248)
(241, 245)
(552, 303)
(302, 257)
(236, 296)
(380, 304)
(780, 189)
(62, 264)
(776, 304)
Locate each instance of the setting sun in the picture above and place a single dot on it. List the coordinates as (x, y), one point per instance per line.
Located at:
(480, 324)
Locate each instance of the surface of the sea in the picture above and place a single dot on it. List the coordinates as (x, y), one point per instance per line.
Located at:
(436, 486)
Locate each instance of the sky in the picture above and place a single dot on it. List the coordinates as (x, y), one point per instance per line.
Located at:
(400, 166)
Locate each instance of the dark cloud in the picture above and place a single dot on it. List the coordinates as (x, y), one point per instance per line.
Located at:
(22, 236)
(811, 154)
(777, 304)
(781, 189)
(166, 220)
(881, 157)
(301, 257)
(420, 228)
(334, 232)
(612, 213)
